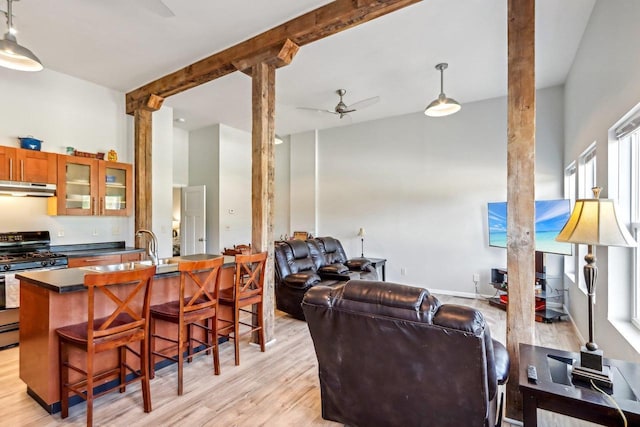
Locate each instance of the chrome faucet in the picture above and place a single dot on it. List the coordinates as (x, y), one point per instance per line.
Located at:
(152, 244)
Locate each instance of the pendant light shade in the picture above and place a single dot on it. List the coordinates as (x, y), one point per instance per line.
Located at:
(442, 106)
(12, 55)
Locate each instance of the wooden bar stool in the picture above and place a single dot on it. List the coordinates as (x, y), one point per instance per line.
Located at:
(247, 291)
(196, 306)
(118, 309)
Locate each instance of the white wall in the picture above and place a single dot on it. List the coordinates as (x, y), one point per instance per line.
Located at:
(204, 165)
(63, 111)
(180, 157)
(303, 182)
(282, 205)
(601, 87)
(162, 177)
(235, 187)
(420, 187)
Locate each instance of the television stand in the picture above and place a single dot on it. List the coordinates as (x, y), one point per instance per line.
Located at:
(543, 313)
(546, 315)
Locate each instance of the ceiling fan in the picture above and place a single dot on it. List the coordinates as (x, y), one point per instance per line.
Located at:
(342, 109)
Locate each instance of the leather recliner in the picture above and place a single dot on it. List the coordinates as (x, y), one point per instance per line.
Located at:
(335, 259)
(393, 355)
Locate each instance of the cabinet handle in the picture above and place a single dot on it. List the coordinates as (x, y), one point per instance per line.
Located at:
(102, 212)
(93, 205)
(21, 170)
(10, 169)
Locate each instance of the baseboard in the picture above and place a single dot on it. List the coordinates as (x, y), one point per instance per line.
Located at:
(469, 295)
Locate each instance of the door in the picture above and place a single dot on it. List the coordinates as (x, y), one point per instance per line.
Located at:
(193, 221)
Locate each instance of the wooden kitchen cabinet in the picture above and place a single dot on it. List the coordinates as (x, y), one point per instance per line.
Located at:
(17, 164)
(89, 186)
(104, 259)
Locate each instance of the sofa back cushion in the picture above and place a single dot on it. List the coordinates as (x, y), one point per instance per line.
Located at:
(300, 259)
(332, 250)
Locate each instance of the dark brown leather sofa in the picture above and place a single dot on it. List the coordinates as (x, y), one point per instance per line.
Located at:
(300, 265)
(393, 355)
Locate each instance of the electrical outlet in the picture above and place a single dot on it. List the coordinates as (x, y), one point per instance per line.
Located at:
(95, 232)
(476, 277)
(403, 271)
(61, 233)
(115, 230)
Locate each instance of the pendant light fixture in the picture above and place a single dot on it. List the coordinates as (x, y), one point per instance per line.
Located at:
(12, 55)
(442, 106)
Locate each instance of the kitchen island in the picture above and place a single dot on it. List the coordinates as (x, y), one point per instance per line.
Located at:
(56, 298)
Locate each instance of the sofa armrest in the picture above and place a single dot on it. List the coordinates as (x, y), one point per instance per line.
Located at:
(301, 280)
(358, 264)
(342, 277)
(502, 362)
(336, 268)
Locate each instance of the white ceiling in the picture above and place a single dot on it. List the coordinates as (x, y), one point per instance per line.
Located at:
(124, 44)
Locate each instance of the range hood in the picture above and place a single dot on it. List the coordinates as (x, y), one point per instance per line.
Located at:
(17, 188)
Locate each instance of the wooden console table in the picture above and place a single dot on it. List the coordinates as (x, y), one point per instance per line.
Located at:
(555, 391)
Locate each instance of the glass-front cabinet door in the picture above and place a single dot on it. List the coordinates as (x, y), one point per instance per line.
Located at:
(77, 186)
(116, 189)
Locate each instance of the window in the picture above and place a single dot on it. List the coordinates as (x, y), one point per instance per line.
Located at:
(570, 193)
(587, 180)
(628, 135)
(588, 172)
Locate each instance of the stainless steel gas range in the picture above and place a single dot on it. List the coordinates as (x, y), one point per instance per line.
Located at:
(19, 252)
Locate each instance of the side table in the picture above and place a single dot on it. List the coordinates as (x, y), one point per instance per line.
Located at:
(556, 392)
(379, 262)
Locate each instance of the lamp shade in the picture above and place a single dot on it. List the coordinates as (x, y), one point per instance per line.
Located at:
(442, 106)
(595, 222)
(16, 57)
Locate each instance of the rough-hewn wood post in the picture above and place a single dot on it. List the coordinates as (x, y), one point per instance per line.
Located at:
(142, 146)
(262, 179)
(521, 125)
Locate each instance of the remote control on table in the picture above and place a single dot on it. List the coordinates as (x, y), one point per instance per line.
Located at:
(532, 374)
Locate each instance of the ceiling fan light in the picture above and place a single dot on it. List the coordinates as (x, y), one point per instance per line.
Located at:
(442, 106)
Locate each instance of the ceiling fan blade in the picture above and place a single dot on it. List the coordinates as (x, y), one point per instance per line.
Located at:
(158, 7)
(317, 110)
(363, 104)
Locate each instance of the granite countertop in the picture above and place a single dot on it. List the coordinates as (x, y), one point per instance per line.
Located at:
(72, 279)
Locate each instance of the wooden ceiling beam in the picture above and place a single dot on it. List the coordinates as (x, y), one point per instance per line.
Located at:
(278, 56)
(322, 22)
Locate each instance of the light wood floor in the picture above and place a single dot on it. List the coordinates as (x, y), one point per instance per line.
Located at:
(275, 388)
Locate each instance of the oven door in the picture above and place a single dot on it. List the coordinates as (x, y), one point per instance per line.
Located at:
(9, 307)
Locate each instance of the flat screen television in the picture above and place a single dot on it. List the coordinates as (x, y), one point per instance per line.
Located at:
(550, 217)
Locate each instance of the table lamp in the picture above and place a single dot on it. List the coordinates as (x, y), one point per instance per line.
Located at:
(594, 222)
(361, 235)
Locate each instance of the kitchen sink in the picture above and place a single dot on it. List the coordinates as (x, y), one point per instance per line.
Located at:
(112, 267)
(164, 265)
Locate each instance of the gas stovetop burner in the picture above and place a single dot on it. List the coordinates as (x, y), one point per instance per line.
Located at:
(28, 250)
